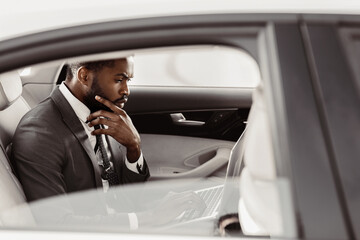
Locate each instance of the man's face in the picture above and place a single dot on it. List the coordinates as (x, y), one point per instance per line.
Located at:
(110, 83)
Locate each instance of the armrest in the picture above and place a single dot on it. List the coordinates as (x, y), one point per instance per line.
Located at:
(220, 159)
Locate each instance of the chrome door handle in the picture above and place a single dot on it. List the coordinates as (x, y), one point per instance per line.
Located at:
(180, 120)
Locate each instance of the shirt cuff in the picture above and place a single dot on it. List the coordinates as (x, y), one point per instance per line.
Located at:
(133, 166)
(133, 220)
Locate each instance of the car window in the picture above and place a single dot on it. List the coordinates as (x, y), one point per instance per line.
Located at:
(193, 164)
(201, 67)
(196, 66)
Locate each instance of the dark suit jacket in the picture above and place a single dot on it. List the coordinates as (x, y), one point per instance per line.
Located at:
(52, 154)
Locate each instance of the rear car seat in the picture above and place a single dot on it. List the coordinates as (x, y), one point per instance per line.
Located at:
(12, 109)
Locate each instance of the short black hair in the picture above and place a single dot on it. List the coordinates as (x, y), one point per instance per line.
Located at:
(94, 66)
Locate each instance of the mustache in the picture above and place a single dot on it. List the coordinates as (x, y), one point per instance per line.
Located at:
(123, 98)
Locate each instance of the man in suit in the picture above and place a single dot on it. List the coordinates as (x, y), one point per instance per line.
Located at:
(53, 152)
(53, 146)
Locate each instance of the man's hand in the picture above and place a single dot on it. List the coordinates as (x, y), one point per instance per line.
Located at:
(120, 127)
(171, 207)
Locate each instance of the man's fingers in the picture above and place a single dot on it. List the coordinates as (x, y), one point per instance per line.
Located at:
(101, 131)
(99, 114)
(188, 200)
(196, 201)
(105, 114)
(103, 121)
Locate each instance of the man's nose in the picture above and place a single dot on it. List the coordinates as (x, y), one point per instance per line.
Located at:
(124, 90)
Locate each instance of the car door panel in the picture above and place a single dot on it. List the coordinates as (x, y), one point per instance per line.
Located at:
(172, 157)
(165, 99)
(189, 132)
(198, 112)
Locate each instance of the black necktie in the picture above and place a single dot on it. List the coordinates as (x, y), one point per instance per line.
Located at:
(108, 172)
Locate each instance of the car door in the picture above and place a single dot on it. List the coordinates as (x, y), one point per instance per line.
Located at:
(190, 116)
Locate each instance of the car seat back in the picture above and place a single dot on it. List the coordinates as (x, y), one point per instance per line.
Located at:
(12, 109)
(265, 205)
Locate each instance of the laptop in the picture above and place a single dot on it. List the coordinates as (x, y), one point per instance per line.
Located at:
(217, 197)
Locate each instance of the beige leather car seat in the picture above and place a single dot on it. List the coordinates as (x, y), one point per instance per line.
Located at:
(266, 205)
(12, 109)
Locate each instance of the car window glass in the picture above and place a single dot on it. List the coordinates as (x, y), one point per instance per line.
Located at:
(197, 66)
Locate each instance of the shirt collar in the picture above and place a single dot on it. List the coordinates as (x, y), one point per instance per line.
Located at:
(80, 109)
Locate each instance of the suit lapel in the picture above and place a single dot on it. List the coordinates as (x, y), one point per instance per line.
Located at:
(74, 124)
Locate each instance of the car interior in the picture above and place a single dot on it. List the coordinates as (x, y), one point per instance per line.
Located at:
(187, 130)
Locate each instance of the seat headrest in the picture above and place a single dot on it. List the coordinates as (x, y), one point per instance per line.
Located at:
(10, 89)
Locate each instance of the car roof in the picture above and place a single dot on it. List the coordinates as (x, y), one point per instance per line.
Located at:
(20, 17)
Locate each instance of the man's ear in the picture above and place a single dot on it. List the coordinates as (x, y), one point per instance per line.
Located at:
(83, 75)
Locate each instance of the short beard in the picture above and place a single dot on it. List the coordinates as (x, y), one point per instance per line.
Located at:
(91, 102)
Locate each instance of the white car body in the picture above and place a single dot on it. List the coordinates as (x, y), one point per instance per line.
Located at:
(25, 17)
(21, 18)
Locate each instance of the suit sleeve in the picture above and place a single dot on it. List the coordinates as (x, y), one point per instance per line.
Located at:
(126, 175)
(38, 158)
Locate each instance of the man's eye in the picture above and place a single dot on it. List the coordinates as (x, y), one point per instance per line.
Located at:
(120, 80)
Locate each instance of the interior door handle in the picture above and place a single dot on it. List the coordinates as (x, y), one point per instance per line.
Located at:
(179, 119)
